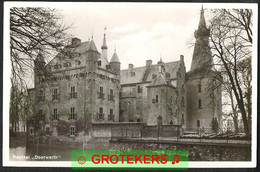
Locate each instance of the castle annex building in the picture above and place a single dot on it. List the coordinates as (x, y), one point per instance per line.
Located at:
(81, 86)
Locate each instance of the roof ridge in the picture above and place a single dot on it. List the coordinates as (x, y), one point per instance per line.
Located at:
(152, 65)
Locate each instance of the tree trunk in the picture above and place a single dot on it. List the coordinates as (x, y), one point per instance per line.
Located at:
(235, 123)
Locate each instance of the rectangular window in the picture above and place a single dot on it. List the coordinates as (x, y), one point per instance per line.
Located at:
(72, 131)
(55, 114)
(111, 95)
(111, 115)
(41, 116)
(73, 114)
(200, 107)
(99, 63)
(132, 73)
(55, 94)
(199, 88)
(101, 93)
(171, 99)
(182, 119)
(73, 93)
(101, 110)
(101, 114)
(156, 99)
(139, 89)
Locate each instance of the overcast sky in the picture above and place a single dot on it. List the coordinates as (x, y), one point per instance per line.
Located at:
(138, 31)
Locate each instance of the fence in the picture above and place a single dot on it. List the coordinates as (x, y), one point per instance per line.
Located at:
(176, 133)
(147, 132)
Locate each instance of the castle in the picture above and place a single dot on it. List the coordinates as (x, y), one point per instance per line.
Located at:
(80, 86)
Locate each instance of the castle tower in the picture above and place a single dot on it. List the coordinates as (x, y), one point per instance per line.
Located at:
(92, 57)
(115, 63)
(39, 70)
(203, 102)
(201, 54)
(39, 65)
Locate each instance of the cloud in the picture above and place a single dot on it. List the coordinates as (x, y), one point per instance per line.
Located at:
(128, 27)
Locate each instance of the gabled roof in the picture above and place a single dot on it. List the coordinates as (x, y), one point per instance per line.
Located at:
(114, 58)
(140, 72)
(159, 80)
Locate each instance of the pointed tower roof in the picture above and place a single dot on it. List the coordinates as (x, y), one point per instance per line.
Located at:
(92, 46)
(201, 55)
(159, 80)
(202, 22)
(104, 46)
(114, 58)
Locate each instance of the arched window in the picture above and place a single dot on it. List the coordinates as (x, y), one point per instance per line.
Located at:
(159, 120)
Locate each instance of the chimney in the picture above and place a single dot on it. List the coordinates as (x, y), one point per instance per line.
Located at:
(149, 62)
(75, 41)
(182, 57)
(130, 66)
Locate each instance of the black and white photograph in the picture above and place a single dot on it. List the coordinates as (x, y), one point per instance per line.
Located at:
(130, 76)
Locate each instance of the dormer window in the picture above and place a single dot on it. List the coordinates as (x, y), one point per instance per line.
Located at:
(77, 62)
(65, 64)
(132, 73)
(56, 66)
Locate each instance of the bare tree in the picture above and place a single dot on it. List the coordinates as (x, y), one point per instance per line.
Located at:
(33, 31)
(231, 42)
(229, 101)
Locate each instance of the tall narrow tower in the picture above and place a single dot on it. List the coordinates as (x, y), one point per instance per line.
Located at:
(203, 101)
(201, 54)
(104, 60)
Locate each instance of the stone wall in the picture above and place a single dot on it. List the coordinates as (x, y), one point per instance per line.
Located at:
(197, 151)
(105, 130)
(211, 106)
